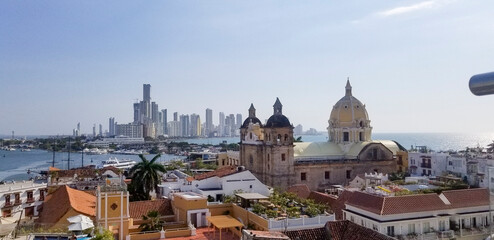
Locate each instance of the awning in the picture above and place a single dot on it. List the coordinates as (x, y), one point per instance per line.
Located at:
(224, 221)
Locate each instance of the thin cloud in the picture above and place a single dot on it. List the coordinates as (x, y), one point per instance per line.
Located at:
(407, 9)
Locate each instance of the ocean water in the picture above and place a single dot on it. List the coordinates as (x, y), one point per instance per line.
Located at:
(14, 164)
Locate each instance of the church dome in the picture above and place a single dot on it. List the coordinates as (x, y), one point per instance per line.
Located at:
(252, 118)
(349, 121)
(278, 120)
(349, 111)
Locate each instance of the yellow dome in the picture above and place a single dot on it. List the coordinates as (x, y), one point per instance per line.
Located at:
(349, 115)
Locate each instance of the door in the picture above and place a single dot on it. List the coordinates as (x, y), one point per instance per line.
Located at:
(193, 219)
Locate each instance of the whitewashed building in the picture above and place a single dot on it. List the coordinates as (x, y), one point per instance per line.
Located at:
(21, 199)
(216, 184)
(451, 214)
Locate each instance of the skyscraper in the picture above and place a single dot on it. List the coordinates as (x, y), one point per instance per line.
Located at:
(195, 125)
(185, 125)
(100, 130)
(209, 122)
(94, 130)
(137, 112)
(175, 116)
(111, 126)
(239, 121)
(164, 120)
(146, 92)
(221, 126)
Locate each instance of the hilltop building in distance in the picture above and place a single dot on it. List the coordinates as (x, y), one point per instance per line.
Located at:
(270, 153)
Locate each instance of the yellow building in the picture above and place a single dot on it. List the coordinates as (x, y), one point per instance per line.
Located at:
(112, 210)
(191, 207)
(269, 152)
(228, 158)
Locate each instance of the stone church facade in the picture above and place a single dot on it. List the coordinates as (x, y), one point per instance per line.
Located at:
(270, 153)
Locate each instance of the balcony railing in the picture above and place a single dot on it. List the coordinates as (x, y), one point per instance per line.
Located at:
(8, 204)
(17, 202)
(30, 200)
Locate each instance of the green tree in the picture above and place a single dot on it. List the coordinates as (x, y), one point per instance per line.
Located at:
(151, 222)
(103, 234)
(146, 175)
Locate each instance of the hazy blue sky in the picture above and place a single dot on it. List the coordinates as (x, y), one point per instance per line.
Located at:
(63, 62)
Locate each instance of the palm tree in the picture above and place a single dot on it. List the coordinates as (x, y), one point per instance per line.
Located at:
(151, 221)
(146, 175)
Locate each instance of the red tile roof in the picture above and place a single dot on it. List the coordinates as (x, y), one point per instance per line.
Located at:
(220, 172)
(301, 190)
(468, 197)
(419, 203)
(308, 234)
(346, 230)
(62, 200)
(141, 208)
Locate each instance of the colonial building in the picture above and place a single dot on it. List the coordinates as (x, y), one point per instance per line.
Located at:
(270, 153)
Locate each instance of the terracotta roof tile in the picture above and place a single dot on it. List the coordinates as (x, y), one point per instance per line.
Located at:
(266, 235)
(419, 203)
(141, 208)
(346, 230)
(64, 198)
(220, 172)
(301, 190)
(468, 197)
(308, 234)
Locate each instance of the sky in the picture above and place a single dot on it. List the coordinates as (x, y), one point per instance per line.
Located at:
(64, 62)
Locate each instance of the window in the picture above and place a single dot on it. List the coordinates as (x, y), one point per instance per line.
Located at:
(30, 197)
(352, 219)
(250, 135)
(391, 231)
(303, 176)
(17, 198)
(326, 175)
(279, 138)
(268, 157)
(348, 174)
(286, 137)
(7, 213)
(411, 228)
(283, 158)
(346, 136)
(41, 195)
(427, 227)
(7, 200)
(442, 225)
(374, 227)
(361, 136)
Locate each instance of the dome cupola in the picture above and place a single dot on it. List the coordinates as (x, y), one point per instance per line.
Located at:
(278, 120)
(349, 121)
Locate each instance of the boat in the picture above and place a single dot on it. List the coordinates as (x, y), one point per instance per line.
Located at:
(114, 162)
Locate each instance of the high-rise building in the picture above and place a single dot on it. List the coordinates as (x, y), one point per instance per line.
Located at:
(185, 125)
(221, 126)
(111, 126)
(174, 129)
(195, 125)
(175, 116)
(298, 130)
(164, 120)
(209, 123)
(133, 130)
(94, 130)
(100, 130)
(239, 121)
(146, 92)
(79, 127)
(137, 113)
(154, 112)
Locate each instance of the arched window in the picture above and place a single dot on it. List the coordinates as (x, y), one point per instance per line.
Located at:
(286, 137)
(361, 123)
(250, 135)
(279, 138)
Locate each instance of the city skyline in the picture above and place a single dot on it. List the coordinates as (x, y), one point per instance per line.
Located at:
(408, 61)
